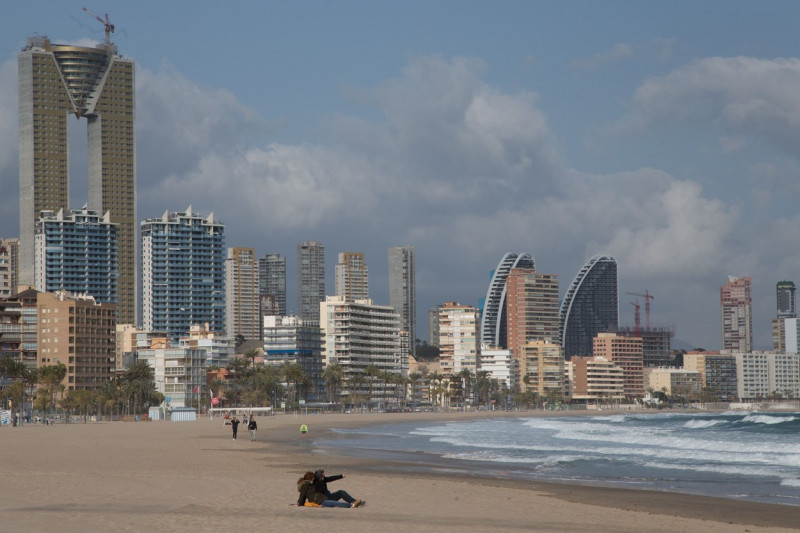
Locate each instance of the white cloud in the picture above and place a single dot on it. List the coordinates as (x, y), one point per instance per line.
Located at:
(748, 98)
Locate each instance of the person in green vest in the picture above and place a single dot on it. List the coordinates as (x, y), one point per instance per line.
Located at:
(303, 430)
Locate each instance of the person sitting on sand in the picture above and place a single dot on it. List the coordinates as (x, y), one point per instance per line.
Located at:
(321, 486)
(309, 497)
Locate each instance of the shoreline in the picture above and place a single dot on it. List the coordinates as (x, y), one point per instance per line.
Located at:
(192, 476)
(728, 510)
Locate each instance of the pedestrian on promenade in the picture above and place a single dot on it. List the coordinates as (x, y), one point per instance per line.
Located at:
(252, 426)
(235, 426)
(303, 430)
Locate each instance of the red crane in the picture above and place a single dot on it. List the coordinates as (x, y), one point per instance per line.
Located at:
(647, 297)
(636, 316)
(106, 23)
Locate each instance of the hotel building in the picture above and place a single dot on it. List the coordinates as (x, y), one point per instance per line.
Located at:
(493, 316)
(79, 332)
(56, 81)
(310, 279)
(626, 353)
(272, 284)
(77, 253)
(590, 306)
(361, 334)
(241, 294)
(459, 347)
(183, 273)
(531, 307)
(737, 319)
(9, 266)
(403, 290)
(352, 276)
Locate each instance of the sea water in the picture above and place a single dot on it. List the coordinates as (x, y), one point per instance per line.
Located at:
(741, 455)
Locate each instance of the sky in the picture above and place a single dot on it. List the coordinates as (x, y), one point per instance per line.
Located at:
(666, 134)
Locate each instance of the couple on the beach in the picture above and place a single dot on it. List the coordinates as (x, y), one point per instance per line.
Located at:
(313, 489)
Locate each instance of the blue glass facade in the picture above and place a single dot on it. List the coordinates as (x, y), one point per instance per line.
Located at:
(183, 274)
(77, 253)
(590, 306)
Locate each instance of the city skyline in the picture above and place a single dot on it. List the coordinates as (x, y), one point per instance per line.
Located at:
(652, 133)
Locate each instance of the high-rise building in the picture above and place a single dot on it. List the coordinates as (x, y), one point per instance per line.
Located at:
(179, 373)
(737, 320)
(531, 307)
(493, 317)
(9, 266)
(459, 344)
(56, 81)
(433, 325)
(183, 273)
(541, 368)
(717, 371)
(785, 299)
(403, 290)
(272, 284)
(310, 279)
(352, 276)
(594, 379)
(590, 306)
(785, 291)
(88, 351)
(241, 294)
(77, 253)
(288, 340)
(18, 327)
(626, 353)
(360, 334)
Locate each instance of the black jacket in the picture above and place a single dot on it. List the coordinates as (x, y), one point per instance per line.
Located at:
(307, 492)
(321, 483)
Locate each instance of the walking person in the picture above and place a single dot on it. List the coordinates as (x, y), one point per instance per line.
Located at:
(235, 426)
(252, 426)
(303, 430)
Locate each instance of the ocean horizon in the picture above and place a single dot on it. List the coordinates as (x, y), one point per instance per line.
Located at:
(749, 456)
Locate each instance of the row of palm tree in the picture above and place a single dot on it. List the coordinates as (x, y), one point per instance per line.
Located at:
(132, 392)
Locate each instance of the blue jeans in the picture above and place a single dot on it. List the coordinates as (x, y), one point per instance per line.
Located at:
(334, 503)
(341, 495)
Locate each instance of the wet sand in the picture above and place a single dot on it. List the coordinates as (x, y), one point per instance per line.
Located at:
(192, 476)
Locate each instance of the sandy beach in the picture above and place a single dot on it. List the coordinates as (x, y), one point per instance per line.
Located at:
(191, 476)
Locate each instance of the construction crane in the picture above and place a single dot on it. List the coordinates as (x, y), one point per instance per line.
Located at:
(106, 23)
(636, 316)
(647, 297)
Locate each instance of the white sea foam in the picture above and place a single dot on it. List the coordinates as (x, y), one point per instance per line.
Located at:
(768, 419)
(703, 424)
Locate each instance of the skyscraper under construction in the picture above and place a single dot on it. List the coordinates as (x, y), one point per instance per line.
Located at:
(56, 81)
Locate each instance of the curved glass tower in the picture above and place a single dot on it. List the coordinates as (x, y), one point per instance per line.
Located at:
(590, 306)
(493, 319)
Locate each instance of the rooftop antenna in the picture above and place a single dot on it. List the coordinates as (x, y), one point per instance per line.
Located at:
(106, 23)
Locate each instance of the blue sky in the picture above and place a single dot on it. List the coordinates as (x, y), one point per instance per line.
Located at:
(663, 133)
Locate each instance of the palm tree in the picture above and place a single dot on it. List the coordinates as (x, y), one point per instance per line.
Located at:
(251, 354)
(371, 371)
(435, 384)
(139, 385)
(295, 376)
(333, 375)
(355, 383)
(466, 380)
(413, 379)
(52, 376)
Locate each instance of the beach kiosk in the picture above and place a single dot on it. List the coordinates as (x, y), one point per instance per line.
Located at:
(183, 414)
